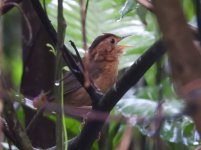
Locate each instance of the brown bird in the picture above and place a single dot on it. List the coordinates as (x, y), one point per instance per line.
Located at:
(100, 67)
(101, 64)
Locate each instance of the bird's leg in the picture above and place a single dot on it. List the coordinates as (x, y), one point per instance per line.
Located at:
(85, 118)
(93, 84)
(82, 124)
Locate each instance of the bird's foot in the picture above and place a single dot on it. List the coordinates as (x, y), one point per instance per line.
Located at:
(82, 124)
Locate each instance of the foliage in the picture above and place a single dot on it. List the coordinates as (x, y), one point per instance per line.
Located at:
(13, 58)
(130, 18)
(125, 17)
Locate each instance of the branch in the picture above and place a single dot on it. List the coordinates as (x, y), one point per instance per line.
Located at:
(90, 131)
(61, 27)
(18, 132)
(13, 129)
(83, 11)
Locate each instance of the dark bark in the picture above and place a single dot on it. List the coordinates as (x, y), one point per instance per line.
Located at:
(38, 75)
(15, 130)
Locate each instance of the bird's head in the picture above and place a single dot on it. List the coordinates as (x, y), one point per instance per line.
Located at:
(105, 47)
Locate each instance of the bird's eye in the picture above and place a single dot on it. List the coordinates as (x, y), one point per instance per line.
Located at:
(112, 41)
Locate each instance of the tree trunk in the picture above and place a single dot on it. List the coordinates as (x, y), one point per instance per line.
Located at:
(38, 75)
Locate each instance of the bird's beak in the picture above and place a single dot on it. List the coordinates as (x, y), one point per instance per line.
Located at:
(122, 47)
(125, 36)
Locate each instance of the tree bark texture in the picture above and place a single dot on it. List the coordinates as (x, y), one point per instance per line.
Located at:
(38, 75)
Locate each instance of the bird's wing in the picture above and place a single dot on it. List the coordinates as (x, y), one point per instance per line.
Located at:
(95, 70)
(70, 83)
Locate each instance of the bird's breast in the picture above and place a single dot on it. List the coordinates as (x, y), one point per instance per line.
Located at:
(107, 76)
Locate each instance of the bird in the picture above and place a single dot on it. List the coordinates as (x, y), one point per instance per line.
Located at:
(101, 64)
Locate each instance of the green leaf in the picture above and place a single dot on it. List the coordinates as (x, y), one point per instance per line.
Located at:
(72, 125)
(180, 130)
(46, 1)
(128, 6)
(135, 106)
(188, 9)
(66, 68)
(52, 50)
(20, 115)
(141, 12)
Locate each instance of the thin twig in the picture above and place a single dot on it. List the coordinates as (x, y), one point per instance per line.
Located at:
(83, 21)
(86, 8)
(35, 118)
(8, 132)
(61, 27)
(18, 132)
(126, 138)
